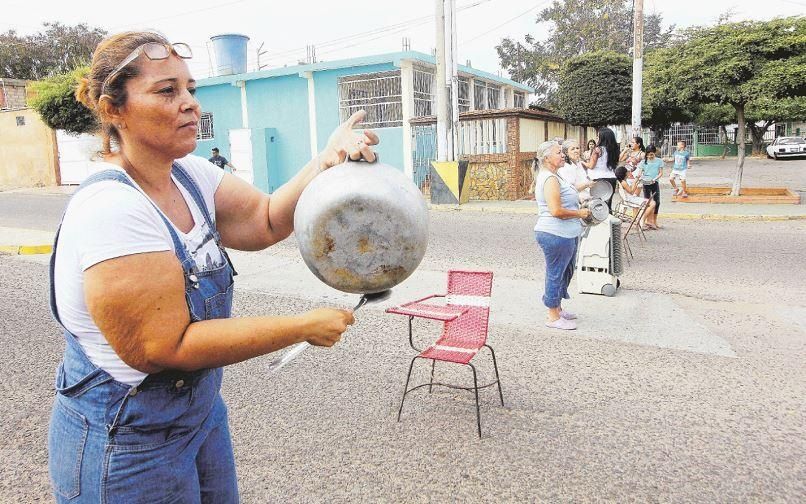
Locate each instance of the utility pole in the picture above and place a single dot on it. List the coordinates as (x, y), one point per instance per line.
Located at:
(637, 65)
(447, 81)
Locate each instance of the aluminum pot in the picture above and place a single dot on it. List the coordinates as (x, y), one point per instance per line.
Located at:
(361, 227)
(598, 211)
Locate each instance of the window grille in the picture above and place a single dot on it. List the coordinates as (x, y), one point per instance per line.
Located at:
(493, 96)
(377, 93)
(519, 100)
(205, 131)
(464, 94)
(479, 101)
(423, 93)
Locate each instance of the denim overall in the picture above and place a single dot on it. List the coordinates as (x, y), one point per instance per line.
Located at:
(164, 440)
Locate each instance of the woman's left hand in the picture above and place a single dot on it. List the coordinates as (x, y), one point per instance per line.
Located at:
(345, 142)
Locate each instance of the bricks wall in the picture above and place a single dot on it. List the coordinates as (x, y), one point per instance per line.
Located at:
(12, 97)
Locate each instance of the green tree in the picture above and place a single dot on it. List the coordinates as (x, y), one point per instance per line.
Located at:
(56, 49)
(738, 64)
(575, 27)
(55, 101)
(660, 105)
(768, 111)
(595, 89)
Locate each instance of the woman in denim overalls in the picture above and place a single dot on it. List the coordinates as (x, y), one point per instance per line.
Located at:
(166, 439)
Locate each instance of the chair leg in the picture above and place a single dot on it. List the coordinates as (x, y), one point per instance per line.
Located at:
(497, 378)
(431, 383)
(406, 388)
(476, 390)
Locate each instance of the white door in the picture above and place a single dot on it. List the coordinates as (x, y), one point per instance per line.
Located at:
(240, 149)
(75, 156)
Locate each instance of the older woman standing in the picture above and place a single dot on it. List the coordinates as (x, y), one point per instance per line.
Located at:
(573, 171)
(557, 229)
(142, 285)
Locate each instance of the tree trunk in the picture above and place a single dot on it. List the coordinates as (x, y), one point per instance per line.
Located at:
(758, 136)
(737, 179)
(723, 134)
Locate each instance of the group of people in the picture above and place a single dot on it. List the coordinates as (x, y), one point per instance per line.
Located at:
(563, 178)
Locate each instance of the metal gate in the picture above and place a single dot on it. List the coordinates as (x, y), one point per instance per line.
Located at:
(424, 141)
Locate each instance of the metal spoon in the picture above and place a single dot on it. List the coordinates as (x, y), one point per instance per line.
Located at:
(297, 349)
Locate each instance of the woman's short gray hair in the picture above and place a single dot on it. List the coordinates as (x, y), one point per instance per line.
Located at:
(543, 150)
(567, 145)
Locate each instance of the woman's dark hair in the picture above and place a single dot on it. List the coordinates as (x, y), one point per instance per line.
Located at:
(109, 52)
(651, 148)
(621, 173)
(607, 141)
(640, 142)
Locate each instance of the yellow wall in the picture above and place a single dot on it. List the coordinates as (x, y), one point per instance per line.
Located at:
(556, 129)
(533, 133)
(27, 153)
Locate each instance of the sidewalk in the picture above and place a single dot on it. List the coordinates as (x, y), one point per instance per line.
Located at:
(668, 210)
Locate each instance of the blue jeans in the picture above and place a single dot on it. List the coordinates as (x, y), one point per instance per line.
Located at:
(560, 256)
(165, 440)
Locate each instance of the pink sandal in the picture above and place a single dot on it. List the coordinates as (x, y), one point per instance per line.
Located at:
(561, 323)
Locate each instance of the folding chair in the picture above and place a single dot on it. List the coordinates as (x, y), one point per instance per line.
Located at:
(465, 317)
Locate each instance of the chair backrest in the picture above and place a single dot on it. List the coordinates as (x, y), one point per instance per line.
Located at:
(471, 289)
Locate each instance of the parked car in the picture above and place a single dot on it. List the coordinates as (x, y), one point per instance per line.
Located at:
(787, 147)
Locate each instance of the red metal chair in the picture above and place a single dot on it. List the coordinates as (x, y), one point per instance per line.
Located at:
(465, 316)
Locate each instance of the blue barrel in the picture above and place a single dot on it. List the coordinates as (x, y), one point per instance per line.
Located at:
(230, 53)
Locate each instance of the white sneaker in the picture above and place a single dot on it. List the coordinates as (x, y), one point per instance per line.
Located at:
(561, 323)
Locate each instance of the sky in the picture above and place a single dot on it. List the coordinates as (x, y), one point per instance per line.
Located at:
(345, 28)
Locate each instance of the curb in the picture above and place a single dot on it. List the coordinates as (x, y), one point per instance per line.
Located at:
(26, 249)
(678, 216)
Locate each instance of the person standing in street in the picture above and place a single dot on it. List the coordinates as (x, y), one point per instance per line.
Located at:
(651, 172)
(681, 165)
(221, 161)
(603, 161)
(142, 286)
(557, 230)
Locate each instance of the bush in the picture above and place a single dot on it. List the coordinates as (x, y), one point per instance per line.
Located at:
(596, 89)
(54, 99)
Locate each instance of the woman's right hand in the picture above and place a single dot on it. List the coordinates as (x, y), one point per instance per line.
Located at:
(584, 213)
(326, 325)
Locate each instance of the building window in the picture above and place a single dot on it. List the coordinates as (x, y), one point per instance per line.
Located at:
(519, 100)
(20, 120)
(205, 131)
(423, 92)
(479, 90)
(378, 93)
(464, 94)
(493, 96)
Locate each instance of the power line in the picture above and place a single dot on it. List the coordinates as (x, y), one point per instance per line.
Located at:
(212, 7)
(527, 11)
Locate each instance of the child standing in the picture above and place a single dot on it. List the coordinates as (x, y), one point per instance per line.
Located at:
(651, 171)
(681, 164)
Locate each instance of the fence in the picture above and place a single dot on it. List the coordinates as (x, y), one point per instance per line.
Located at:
(476, 136)
(695, 135)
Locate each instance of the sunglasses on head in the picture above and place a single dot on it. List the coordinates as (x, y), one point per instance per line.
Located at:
(153, 51)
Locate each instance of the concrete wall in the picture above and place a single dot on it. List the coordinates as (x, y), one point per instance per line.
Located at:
(27, 150)
(390, 148)
(224, 101)
(532, 134)
(280, 105)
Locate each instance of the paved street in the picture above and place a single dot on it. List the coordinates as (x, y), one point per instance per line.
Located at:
(687, 386)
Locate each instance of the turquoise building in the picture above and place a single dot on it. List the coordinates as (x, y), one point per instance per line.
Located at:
(270, 123)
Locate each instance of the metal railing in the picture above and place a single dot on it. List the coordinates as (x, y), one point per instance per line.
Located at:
(379, 94)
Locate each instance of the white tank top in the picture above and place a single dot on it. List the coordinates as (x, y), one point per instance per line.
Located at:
(601, 170)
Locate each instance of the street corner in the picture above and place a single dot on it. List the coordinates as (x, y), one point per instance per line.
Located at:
(19, 241)
(25, 249)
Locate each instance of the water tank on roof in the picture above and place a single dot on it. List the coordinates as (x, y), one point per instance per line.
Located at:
(229, 53)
